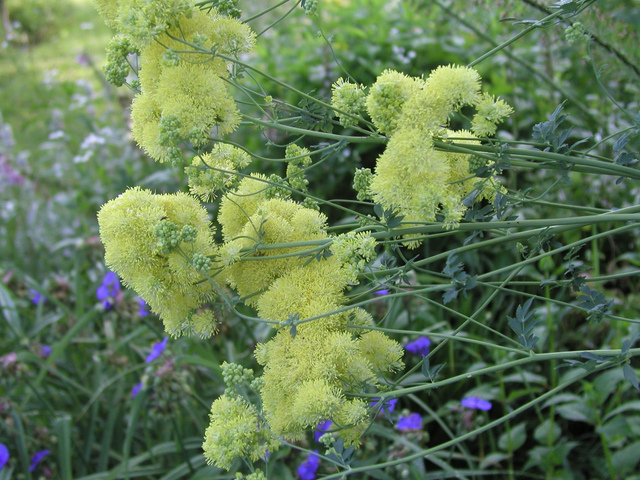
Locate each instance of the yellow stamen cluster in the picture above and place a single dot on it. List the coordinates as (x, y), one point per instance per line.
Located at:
(183, 94)
(165, 278)
(235, 431)
(314, 361)
(412, 178)
(214, 171)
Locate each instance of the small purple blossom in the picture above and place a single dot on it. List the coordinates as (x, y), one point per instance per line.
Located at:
(156, 350)
(37, 458)
(4, 455)
(36, 297)
(9, 175)
(419, 346)
(476, 402)
(410, 422)
(108, 290)
(321, 429)
(384, 291)
(142, 310)
(307, 469)
(45, 351)
(388, 406)
(136, 389)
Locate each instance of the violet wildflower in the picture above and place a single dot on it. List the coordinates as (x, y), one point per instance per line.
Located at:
(136, 388)
(37, 458)
(420, 346)
(142, 310)
(476, 402)
(410, 422)
(321, 429)
(384, 291)
(388, 406)
(307, 469)
(108, 290)
(36, 297)
(156, 350)
(4, 455)
(45, 351)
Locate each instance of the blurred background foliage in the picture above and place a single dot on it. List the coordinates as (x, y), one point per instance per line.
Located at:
(65, 149)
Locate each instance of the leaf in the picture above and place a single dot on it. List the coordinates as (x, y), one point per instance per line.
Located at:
(633, 405)
(547, 429)
(493, 459)
(630, 375)
(577, 412)
(8, 308)
(627, 459)
(514, 439)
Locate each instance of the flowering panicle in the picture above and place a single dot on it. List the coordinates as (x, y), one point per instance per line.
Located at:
(387, 97)
(307, 374)
(298, 159)
(412, 178)
(235, 430)
(349, 98)
(355, 251)
(273, 221)
(144, 237)
(214, 171)
(183, 96)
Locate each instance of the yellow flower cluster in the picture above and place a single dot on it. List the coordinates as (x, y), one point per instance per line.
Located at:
(150, 241)
(315, 370)
(235, 431)
(214, 171)
(183, 96)
(412, 178)
(348, 98)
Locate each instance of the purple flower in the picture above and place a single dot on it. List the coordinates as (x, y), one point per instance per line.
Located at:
(410, 422)
(136, 388)
(108, 290)
(37, 458)
(156, 350)
(388, 406)
(476, 402)
(321, 429)
(142, 311)
(45, 351)
(36, 297)
(420, 346)
(307, 469)
(4, 455)
(384, 291)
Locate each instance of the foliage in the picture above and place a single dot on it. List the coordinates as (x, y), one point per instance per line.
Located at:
(514, 298)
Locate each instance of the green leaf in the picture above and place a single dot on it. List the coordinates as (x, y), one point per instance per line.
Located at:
(512, 440)
(543, 431)
(627, 459)
(633, 405)
(630, 375)
(10, 313)
(577, 412)
(493, 460)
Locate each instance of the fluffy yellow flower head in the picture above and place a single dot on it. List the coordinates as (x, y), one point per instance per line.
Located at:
(183, 95)
(349, 98)
(143, 19)
(274, 221)
(412, 178)
(129, 229)
(454, 85)
(215, 171)
(235, 431)
(489, 113)
(387, 97)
